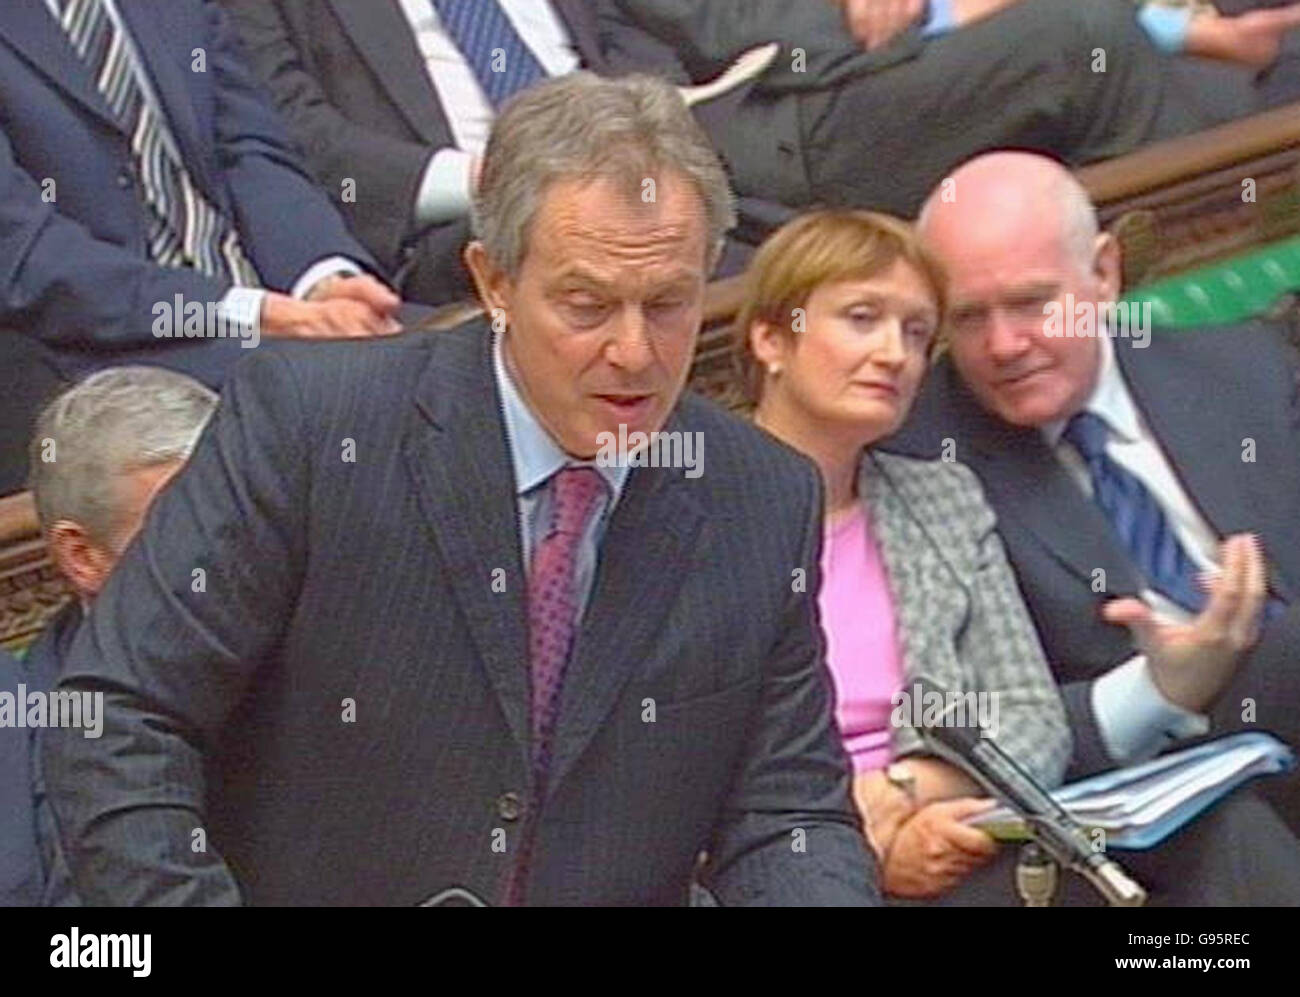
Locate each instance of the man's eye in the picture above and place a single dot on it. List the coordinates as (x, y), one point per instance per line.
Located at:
(584, 307)
(1030, 305)
(864, 314)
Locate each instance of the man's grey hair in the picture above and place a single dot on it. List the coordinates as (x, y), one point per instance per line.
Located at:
(114, 422)
(583, 126)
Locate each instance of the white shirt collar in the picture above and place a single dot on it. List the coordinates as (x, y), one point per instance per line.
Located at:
(535, 454)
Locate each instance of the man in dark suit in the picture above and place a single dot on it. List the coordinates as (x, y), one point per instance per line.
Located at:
(842, 118)
(1147, 483)
(21, 877)
(144, 180)
(391, 101)
(343, 645)
(101, 453)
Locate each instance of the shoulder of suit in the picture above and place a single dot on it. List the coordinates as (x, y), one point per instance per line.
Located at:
(736, 448)
(945, 495)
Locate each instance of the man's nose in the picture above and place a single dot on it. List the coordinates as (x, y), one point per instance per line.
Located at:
(1006, 337)
(630, 347)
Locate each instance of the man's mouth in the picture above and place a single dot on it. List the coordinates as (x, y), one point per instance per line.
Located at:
(627, 405)
(1020, 377)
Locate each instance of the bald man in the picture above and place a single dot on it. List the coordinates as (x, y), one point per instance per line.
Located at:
(1147, 482)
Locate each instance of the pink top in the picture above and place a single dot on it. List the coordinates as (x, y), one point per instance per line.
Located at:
(857, 610)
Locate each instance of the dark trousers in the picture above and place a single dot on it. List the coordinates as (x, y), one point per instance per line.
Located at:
(1029, 77)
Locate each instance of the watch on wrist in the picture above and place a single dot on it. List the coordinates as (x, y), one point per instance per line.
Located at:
(900, 774)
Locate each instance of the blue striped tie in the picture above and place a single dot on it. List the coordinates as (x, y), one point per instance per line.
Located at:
(502, 62)
(185, 229)
(1136, 517)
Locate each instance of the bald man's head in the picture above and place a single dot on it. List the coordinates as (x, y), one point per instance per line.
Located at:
(1019, 240)
(1003, 194)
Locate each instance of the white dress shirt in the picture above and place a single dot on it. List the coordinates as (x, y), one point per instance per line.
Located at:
(446, 188)
(1135, 720)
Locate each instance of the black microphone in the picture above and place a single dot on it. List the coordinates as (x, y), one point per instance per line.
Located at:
(969, 748)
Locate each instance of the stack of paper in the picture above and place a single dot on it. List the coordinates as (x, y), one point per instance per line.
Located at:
(1138, 807)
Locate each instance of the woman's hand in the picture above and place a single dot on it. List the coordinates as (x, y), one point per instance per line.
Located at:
(884, 808)
(935, 849)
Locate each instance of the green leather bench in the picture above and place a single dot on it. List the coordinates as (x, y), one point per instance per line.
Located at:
(1243, 286)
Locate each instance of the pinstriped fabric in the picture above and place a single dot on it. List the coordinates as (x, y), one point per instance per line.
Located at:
(185, 229)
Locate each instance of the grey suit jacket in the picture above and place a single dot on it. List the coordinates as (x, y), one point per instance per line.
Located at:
(961, 620)
(316, 654)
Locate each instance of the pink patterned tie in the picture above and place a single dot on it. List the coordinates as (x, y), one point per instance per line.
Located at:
(552, 621)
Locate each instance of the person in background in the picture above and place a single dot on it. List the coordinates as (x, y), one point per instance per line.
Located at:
(102, 452)
(392, 102)
(1154, 535)
(152, 209)
(840, 317)
(835, 338)
(22, 877)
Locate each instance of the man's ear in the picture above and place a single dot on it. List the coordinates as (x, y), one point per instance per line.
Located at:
(1108, 266)
(82, 561)
(491, 282)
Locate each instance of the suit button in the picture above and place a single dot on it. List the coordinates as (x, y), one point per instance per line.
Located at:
(124, 180)
(509, 806)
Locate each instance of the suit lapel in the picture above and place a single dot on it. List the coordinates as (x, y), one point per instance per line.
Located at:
(1190, 435)
(889, 513)
(647, 546)
(28, 27)
(1177, 417)
(1030, 488)
(383, 36)
(580, 19)
(459, 459)
(171, 85)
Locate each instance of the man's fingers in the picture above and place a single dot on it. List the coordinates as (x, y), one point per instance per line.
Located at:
(1228, 601)
(368, 291)
(1134, 614)
(1247, 623)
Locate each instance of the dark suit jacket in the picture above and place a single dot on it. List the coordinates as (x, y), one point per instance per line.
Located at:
(351, 82)
(756, 128)
(1203, 393)
(77, 272)
(21, 878)
(373, 582)
(42, 663)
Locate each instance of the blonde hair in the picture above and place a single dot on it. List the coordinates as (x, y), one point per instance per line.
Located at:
(819, 248)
